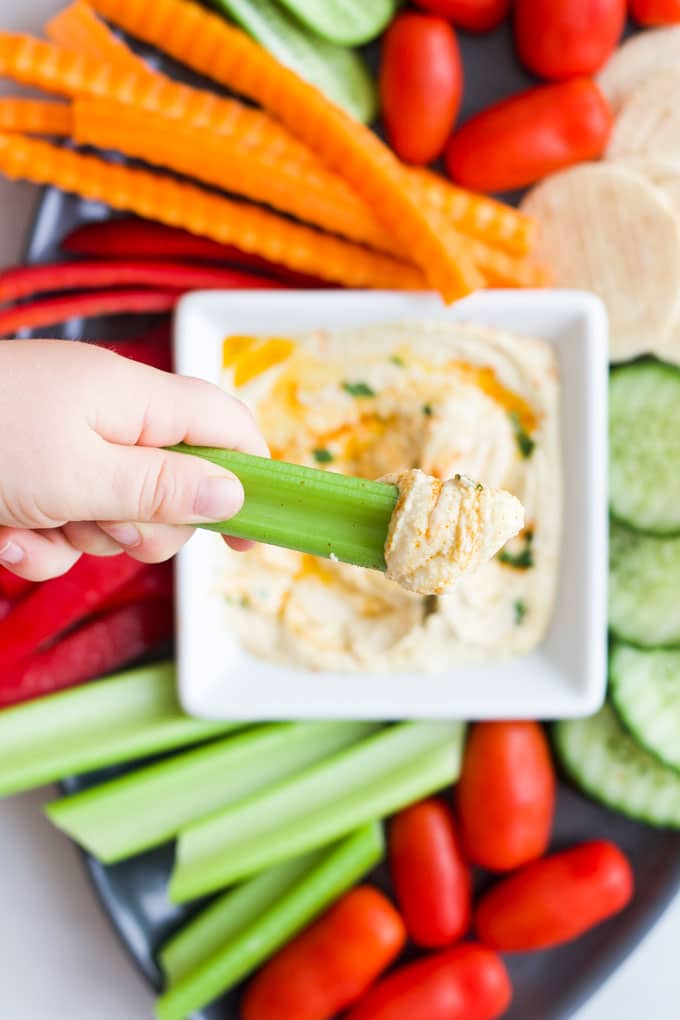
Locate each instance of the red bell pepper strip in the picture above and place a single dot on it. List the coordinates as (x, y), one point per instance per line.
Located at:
(55, 606)
(153, 582)
(152, 348)
(131, 238)
(51, 311)
(468, 982)
(98, 647)
(430, 875)
(331, 964)
(25, 281)
(555, 899)
(13, 587)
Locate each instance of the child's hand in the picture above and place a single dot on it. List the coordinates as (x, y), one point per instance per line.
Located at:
(81, 464)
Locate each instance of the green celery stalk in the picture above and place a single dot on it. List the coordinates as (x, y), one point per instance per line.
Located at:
(313, 511)
(370, 780)
(117, 719)
(149, 806)
(260, 927)
(229, 914)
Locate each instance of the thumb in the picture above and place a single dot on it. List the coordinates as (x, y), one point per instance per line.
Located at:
(146, 484)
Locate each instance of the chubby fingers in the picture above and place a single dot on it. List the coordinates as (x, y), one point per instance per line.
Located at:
(36, 555)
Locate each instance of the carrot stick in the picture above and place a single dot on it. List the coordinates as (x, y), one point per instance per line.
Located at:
(218, 160)
(34, 62)
(78, 28)
(476, 215)
(174, 145)
(157, 196)
(35, 116)
(217, 49)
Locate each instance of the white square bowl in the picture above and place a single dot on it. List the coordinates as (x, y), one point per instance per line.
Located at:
(565, 676)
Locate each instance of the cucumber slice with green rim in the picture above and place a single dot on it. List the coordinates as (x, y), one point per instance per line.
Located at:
(644, 588)
(347, 22)
(605, 762)
(337, 72)
(644, 444)
(645, 691)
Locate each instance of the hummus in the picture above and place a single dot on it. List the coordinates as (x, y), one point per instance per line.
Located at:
(407, 400)
(442, 530)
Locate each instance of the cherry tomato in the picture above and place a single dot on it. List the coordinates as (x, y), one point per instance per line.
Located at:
(555, 899)
(468, 982)
(655, 12)
(430, 875)
(331, 964)
(421, 84)
(560, 39)
(521, 139)
(473, 15)
(506, 794)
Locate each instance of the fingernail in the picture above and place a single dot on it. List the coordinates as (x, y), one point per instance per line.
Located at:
(11, 553)
(126, 535)
(218, 498)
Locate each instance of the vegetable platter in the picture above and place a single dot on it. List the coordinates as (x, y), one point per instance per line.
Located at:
(399, 764)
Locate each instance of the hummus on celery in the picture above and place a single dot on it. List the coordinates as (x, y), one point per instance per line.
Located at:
(448, 399)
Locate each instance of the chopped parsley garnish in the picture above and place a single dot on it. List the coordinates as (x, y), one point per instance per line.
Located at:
(322, 456)
(358, 389)
(525, 443)
(520, 611)
(521, 560)
(396, 360)
(427, 410)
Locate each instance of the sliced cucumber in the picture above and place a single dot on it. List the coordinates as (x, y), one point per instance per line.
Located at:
(644, 443)
(644, 588)
(645, 691)
(337, 72)
(610, 766)
(348, 22)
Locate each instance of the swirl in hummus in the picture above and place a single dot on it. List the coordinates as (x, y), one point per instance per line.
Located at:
(437, 399)
(442, 530)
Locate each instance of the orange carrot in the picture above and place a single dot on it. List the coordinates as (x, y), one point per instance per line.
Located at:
(79, 29)
(216, 159)
(476, 215)
(34, 62)
(159, 197)
(35, 116)
(208, 44)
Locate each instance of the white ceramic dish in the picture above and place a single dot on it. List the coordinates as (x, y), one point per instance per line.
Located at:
(565, 676)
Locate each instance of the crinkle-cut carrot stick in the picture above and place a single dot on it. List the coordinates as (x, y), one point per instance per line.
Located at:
(35, 116)
(79, 29)
(38, 63)
(207, 43)
(476, 215)
(159, 197)
(172, 144)
(34, 62)
(217, 160)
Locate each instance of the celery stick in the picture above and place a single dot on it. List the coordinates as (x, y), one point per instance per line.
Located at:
(374, 778)
(114, 720)
(326, 877)
(228, 915)
(149, 806)
(313, 511)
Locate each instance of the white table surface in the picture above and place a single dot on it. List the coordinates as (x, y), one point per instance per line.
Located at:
(58, 955)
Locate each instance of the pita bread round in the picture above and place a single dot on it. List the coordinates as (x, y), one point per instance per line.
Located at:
(639, 57)
(606, 229)
(648, 125)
